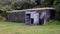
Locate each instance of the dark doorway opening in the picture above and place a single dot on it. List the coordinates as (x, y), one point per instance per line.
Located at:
(28, 16)
(32, 20)
(28, 21)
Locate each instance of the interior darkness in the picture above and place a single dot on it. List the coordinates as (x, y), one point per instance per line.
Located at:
(32, 20)
(28, 18)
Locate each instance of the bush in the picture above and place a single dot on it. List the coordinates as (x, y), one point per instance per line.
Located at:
(54, 22)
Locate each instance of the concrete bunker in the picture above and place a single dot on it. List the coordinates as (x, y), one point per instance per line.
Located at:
(30, 16)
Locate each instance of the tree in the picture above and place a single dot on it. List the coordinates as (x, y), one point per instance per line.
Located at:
(57, 6)
(48, 3)
(38, 2)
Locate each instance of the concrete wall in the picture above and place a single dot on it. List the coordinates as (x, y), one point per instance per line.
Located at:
(36, 18)
(15, 16)
(34, 15)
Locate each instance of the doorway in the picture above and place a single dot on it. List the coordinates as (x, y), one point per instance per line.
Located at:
(27, 19)
(32, 20)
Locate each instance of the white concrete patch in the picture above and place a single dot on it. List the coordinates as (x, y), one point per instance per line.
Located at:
(36, 18)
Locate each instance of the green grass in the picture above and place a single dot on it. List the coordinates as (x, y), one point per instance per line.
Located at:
(19, 28)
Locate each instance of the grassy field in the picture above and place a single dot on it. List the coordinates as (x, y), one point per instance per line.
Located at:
(19, 28)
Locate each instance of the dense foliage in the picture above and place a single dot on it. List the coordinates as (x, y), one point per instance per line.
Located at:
(57, 6)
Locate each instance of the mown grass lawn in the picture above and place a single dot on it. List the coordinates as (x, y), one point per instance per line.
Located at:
(19, 28)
